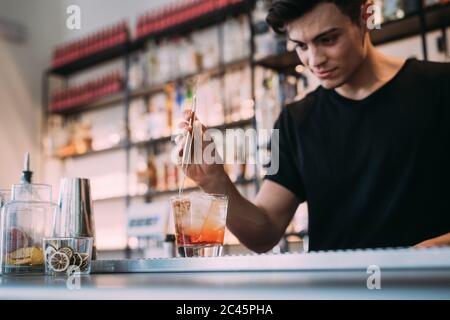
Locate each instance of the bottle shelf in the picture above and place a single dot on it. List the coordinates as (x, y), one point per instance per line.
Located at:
(202, 21)
(92, 152)
(236, 124)
(437, 16)
(146, 143)
(100, 103)
(91, 60)
(210, 73)
(119, 97)
(130, 46)
(282, 62)
(157, 193)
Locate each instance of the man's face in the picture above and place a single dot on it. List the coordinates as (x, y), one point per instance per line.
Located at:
(329, 44)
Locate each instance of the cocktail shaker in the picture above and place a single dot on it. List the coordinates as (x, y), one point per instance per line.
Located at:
(75, 218)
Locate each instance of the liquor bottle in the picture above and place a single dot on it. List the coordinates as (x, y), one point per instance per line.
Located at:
(152, 173)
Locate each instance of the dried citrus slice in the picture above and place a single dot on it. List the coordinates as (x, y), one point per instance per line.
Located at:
(37, 256)
(21, 253)
(85, 261)
(67, 250)
(84, 266)
(77, 259)
(59, 261)
(49, 250)
(20, 261)
(84, 257)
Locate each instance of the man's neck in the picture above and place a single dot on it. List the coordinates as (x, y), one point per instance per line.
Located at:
(375, 71)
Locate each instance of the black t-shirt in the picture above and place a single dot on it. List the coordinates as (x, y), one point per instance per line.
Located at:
(375, 172)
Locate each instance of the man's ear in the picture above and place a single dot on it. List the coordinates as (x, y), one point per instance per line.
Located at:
(366, 14)
(290, 45)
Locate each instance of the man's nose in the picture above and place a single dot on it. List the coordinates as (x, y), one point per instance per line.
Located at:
(316, 57)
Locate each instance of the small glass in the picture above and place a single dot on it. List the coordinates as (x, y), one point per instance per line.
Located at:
(200, 221)
(66, 256)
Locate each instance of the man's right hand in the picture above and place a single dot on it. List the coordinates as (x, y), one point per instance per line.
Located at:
(209, 177)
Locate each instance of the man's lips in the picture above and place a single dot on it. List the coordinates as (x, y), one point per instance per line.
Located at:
(325, 74)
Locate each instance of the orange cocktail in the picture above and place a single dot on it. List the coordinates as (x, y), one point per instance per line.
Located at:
(200, 221)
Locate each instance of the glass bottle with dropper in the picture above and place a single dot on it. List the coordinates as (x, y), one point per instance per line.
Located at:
(25, 221)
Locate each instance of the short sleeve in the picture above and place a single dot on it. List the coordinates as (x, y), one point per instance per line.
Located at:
(288, 174)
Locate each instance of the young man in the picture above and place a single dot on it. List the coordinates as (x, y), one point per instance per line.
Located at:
(369, 150)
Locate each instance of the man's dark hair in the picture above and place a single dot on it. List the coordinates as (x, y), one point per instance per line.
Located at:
(283, 12)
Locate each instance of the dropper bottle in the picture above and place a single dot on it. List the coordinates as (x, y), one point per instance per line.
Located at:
(26, 189)
(26, 173)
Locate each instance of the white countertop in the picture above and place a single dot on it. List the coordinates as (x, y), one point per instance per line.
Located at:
(240, 286)
(336, 275)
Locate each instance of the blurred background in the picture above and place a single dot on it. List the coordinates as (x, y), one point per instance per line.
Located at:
(93, 88)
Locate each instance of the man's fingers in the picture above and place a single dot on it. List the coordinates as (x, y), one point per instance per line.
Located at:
(423, 245)
(184, 127)
(187, 117)
(181, 132)
(443, 240)
(187, 114)
(179, 139)
(197, 130)
(183, 124)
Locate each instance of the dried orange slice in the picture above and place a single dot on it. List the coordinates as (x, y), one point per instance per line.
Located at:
(21, 253)
(37, 256)
(21, 260)
(26, 256)
(67, 250)
(59, 262)
(49, 250)
(85, 261)
(77, 259)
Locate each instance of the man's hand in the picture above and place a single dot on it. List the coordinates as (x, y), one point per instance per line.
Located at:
(443, 240)
(211, 177)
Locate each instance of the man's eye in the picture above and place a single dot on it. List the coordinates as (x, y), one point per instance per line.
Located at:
(302, 46)
(328, 40)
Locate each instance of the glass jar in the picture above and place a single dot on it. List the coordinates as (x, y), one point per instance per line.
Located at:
(5, 196)
(25, 221)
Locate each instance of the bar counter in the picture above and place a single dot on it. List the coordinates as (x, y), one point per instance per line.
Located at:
(403, 274)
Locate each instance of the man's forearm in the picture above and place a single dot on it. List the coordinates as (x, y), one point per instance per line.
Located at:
(249, 223)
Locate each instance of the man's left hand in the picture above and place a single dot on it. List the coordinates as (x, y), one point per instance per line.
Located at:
(443, 240)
